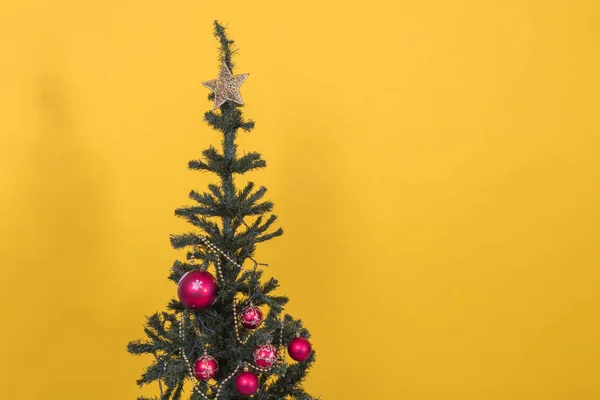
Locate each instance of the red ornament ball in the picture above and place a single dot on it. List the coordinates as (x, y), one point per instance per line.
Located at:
(206, 367)
(299, 349)
(246, 383)
(265, 356)
(197, 289)
(251, 317)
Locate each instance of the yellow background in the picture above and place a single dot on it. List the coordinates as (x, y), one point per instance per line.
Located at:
(433, 163)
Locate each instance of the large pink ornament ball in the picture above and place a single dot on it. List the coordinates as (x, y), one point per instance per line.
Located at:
(206, 367)
(251, 317)
(246, 383)
(299, 349)
(197, 289)
(265, 356)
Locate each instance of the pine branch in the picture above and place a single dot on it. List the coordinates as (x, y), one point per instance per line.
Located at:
(248, 162)
(227, 49)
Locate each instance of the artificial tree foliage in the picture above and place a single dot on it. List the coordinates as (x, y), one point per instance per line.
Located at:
(234, 220)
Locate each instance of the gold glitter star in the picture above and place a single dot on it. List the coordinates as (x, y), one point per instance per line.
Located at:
(226, 87)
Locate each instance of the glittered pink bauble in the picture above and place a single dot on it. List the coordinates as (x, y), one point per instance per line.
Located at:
(246, 383)
(251, 317)
(205, 367)
(265, 356)
(299, 349)
(197, 289)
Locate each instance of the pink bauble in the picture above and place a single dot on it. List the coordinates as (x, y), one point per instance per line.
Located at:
(206, 367)
(251, 317)
(299, 349)
(197, 289)
(265, 356)
(246, 383)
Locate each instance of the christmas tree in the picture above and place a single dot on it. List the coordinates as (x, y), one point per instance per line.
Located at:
(226, 334)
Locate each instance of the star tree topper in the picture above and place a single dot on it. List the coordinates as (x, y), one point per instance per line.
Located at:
(226, 87)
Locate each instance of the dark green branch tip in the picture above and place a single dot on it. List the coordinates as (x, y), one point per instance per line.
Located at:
(227, 49)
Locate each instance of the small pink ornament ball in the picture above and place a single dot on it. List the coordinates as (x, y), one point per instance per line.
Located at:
(246, 383)
(299, 349)
(206, 367)
(197, 289)
(251, 317)
(265, 356)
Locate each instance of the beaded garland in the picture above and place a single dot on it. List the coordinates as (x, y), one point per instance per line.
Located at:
(214, 249)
